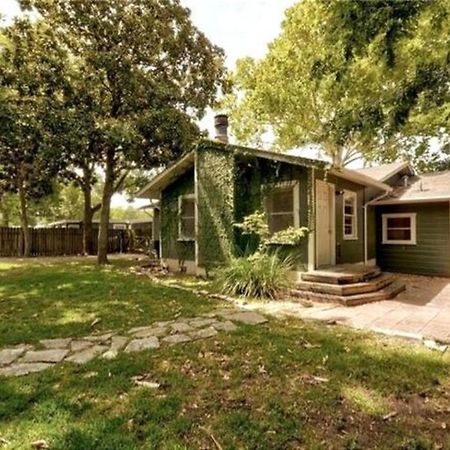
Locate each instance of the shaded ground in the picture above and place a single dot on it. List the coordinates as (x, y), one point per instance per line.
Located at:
(284, 384)
(51, 298)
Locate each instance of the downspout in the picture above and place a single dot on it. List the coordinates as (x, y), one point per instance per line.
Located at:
(370, 202)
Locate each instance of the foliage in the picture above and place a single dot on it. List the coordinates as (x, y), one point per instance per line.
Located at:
(255, 224)
(261, 275)
(360, 74)
(32, 78)
(147, 71)
(216, 188)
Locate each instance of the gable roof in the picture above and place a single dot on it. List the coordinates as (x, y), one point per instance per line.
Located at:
(182, 165)
(424, 188)
(385, 171)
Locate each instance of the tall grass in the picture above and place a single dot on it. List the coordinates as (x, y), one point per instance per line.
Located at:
(261, 275)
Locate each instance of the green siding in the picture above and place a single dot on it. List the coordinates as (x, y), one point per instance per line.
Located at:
(171, 247)
(347, 251)
(431, 255)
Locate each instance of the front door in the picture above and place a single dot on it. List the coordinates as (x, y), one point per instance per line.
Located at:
(325, 222)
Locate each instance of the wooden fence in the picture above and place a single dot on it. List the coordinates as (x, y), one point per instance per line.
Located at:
(57, 241)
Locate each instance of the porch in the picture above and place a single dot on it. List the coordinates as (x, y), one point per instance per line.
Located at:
(348, 284)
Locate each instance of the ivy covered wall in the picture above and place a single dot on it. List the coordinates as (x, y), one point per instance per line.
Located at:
(215, 172)
(255, 177)
(172, 248)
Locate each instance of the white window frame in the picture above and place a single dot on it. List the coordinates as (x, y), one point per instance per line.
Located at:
(354, 196)
(180, 204)
(412, 241)
(285, 185)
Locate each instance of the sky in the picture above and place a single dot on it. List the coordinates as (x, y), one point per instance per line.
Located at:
(241, 27)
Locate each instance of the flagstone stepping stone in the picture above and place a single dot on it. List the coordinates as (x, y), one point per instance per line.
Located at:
(10, 355)
(200, 323)
(79, 345)
(150, 331)
(84, 356)
(225, 326)
(138, 345)
(45, 356)
(100, 338)
(203, 334)
(19, 369)
(56, 343)
(180, 327)
(117, 344)
(247, 317)
(176, 339)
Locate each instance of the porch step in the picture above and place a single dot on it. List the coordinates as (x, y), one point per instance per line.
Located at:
(342, 276)
(387, 292)
(362, 287)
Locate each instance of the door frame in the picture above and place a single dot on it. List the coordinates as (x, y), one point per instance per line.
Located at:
(332, 201)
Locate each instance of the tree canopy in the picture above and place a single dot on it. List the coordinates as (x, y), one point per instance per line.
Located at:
(32, 85)
(350, 76)
(148, 72)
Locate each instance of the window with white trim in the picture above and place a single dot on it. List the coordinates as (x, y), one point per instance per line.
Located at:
(350, 215)
(399, 228)
(186, 217)
(282, 206)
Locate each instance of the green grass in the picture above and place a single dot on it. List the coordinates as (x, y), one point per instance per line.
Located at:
(49, 300)
(250, 389)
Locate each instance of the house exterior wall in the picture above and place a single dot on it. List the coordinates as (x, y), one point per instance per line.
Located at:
(171, 247)
(215, 182)
(254, 177)
(347, 251)
(431, 254)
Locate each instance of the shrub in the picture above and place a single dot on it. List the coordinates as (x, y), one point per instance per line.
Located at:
(261, 275)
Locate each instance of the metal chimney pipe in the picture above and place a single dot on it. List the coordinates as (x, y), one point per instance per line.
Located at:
(221, 126)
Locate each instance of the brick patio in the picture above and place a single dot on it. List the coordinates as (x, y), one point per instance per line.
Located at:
(422, 311)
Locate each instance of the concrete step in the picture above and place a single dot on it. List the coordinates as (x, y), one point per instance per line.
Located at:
(342, 277)
(363, 287)
(386, 293)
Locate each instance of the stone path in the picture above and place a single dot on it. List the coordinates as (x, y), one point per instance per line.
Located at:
(24, 359)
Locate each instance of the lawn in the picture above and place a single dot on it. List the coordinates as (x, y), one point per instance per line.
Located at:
(285, 384)
(58, 299)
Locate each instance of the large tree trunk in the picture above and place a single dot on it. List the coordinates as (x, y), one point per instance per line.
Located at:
(108, 191)
(26, 235)
(87, 222)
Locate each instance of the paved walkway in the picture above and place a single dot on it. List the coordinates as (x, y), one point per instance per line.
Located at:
(24, 359)
(421, 312)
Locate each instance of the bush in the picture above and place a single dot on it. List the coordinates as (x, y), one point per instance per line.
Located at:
(261, 275)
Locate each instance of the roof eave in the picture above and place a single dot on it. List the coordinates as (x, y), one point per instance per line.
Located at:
(359, 178)
(396, 170)
(154, 187)
(399, 201)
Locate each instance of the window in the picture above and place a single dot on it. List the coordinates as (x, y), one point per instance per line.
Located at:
(350, 215)
(281, 207)
(399, 228)
(186, 213)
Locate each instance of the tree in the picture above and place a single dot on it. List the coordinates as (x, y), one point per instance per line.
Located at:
(336, 75)
(31, 80)
(150, 71)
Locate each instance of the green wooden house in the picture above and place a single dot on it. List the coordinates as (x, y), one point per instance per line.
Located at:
(386, 216)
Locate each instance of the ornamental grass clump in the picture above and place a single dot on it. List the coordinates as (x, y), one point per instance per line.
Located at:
(261, 275)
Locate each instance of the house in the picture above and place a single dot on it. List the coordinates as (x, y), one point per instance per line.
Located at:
(386, 216)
